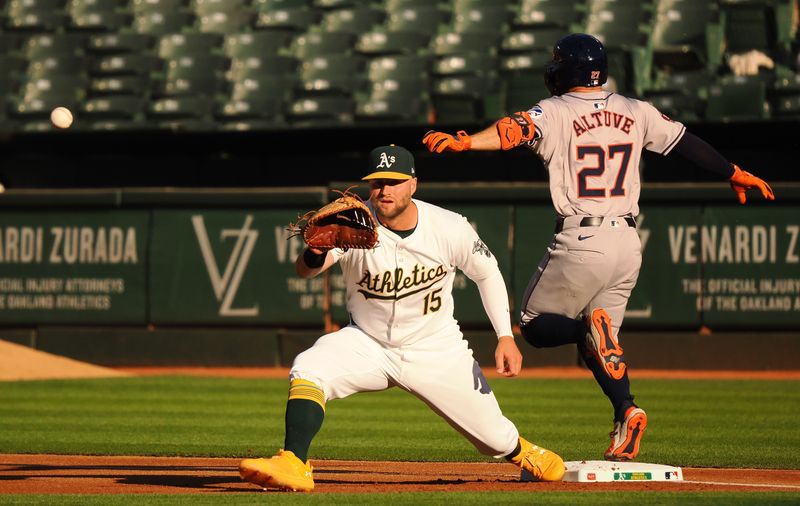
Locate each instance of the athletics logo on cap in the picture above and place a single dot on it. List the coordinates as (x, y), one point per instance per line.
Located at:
(390, 162)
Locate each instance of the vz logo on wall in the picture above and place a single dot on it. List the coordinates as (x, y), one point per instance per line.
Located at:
(226, 285)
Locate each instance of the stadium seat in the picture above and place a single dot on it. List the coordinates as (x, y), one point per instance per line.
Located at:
(289, 19)
(392, 111)
(32, 20)
(264, 42)
(125, 107)
(428, 19)
(119, 85)
(141, 6)
(177, 45)
(399, 89)
(465, 64)
(262, 88)
(398, 67)
(224, 22)
(356, 20)
(489, 19)
(331, 74)
(531, 62)
(466, 98)
(51, 65)
(379, 42)
(523, 41)
(204, 7)
(321, 111)
(523, 91)
(549, 13)
(248, 66)
(251, 114)
(197, 109)
(737, 98)
(678, 106)
(309, 45)
(459, 43)
(55, 45)
(687, 34)
(65, 88)
(267, 5)
(126, 64)
(119, 43)
(620, 23)
(162, 23)
(99, 21)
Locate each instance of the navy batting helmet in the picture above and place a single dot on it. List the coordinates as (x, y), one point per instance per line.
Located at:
(578, 60)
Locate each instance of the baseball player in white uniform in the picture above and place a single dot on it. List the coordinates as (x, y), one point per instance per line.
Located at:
(590, 142)
(402, 332)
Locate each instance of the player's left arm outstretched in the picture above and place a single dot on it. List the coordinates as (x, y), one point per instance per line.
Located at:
(506, 133)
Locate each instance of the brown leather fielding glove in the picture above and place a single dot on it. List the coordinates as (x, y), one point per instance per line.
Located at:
(344, 223)
(437, 142)
(741, 181)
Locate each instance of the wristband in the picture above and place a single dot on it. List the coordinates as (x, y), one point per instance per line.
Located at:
(313, 260)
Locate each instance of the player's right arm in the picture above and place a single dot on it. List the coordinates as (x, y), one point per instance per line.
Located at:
(506, 133)
(313, 261)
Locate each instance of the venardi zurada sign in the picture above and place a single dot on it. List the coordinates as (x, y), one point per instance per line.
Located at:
(226, 284)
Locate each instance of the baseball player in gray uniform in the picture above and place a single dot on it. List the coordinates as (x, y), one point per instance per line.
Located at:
(402, 332)
(590, 141)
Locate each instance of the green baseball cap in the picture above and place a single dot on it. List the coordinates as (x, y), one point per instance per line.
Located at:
(390, 162)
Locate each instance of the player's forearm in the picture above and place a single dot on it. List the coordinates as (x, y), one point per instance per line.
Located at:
(486, 140)
(310, 263)
(701, 153)
(495, 302)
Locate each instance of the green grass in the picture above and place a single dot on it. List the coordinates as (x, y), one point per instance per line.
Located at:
(444, 498)
(692, 423)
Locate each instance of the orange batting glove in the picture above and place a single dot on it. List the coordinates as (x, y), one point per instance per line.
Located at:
(437, 142)
(741, 181)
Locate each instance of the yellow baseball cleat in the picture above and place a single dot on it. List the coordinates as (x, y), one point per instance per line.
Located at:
(284, 471)
(543, 464)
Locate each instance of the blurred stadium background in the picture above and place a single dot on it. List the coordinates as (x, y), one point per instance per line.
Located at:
(255, 108)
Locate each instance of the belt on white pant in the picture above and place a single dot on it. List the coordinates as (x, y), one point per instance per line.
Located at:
(590, 221)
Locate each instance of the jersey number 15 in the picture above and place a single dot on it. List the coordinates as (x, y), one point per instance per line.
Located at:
(601, 153)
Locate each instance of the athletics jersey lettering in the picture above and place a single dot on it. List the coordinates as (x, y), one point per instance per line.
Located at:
(602, 119)
(397, 285)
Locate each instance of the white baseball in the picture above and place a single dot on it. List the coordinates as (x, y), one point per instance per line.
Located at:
(61, 117)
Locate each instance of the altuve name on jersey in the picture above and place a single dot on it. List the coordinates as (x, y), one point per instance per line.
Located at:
(602, 119)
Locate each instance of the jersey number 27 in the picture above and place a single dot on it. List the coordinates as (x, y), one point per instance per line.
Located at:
(611, 152)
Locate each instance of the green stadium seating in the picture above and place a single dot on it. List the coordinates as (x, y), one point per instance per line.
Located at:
(309, 45)
(126, 64)
(120, 107)
(468, 98)
(177, 45)
(737, 98)
(141, 6)
(428, 19)
(249, 113)
(488, 19)
(409, 109)
(264, 42)
(267, 5)
(523, 90)
(321, 111)
(289, 19)
(523, 41)
(399, 89)
(53, 45)
(466, 63)
(204, 7)
(331, 74)
(356, 21)
(119, 43)
(119, 85)
(687, 34)
(398, 67)
(225, 22)
(459, 43)
(162, 22)
(379, 42)
(51, 65)
(248, 66)
(549, 13)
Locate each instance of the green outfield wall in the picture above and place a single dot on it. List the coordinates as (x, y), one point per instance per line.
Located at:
(224, 259)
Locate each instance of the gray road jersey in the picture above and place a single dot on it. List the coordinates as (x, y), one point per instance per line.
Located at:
(591, 144)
